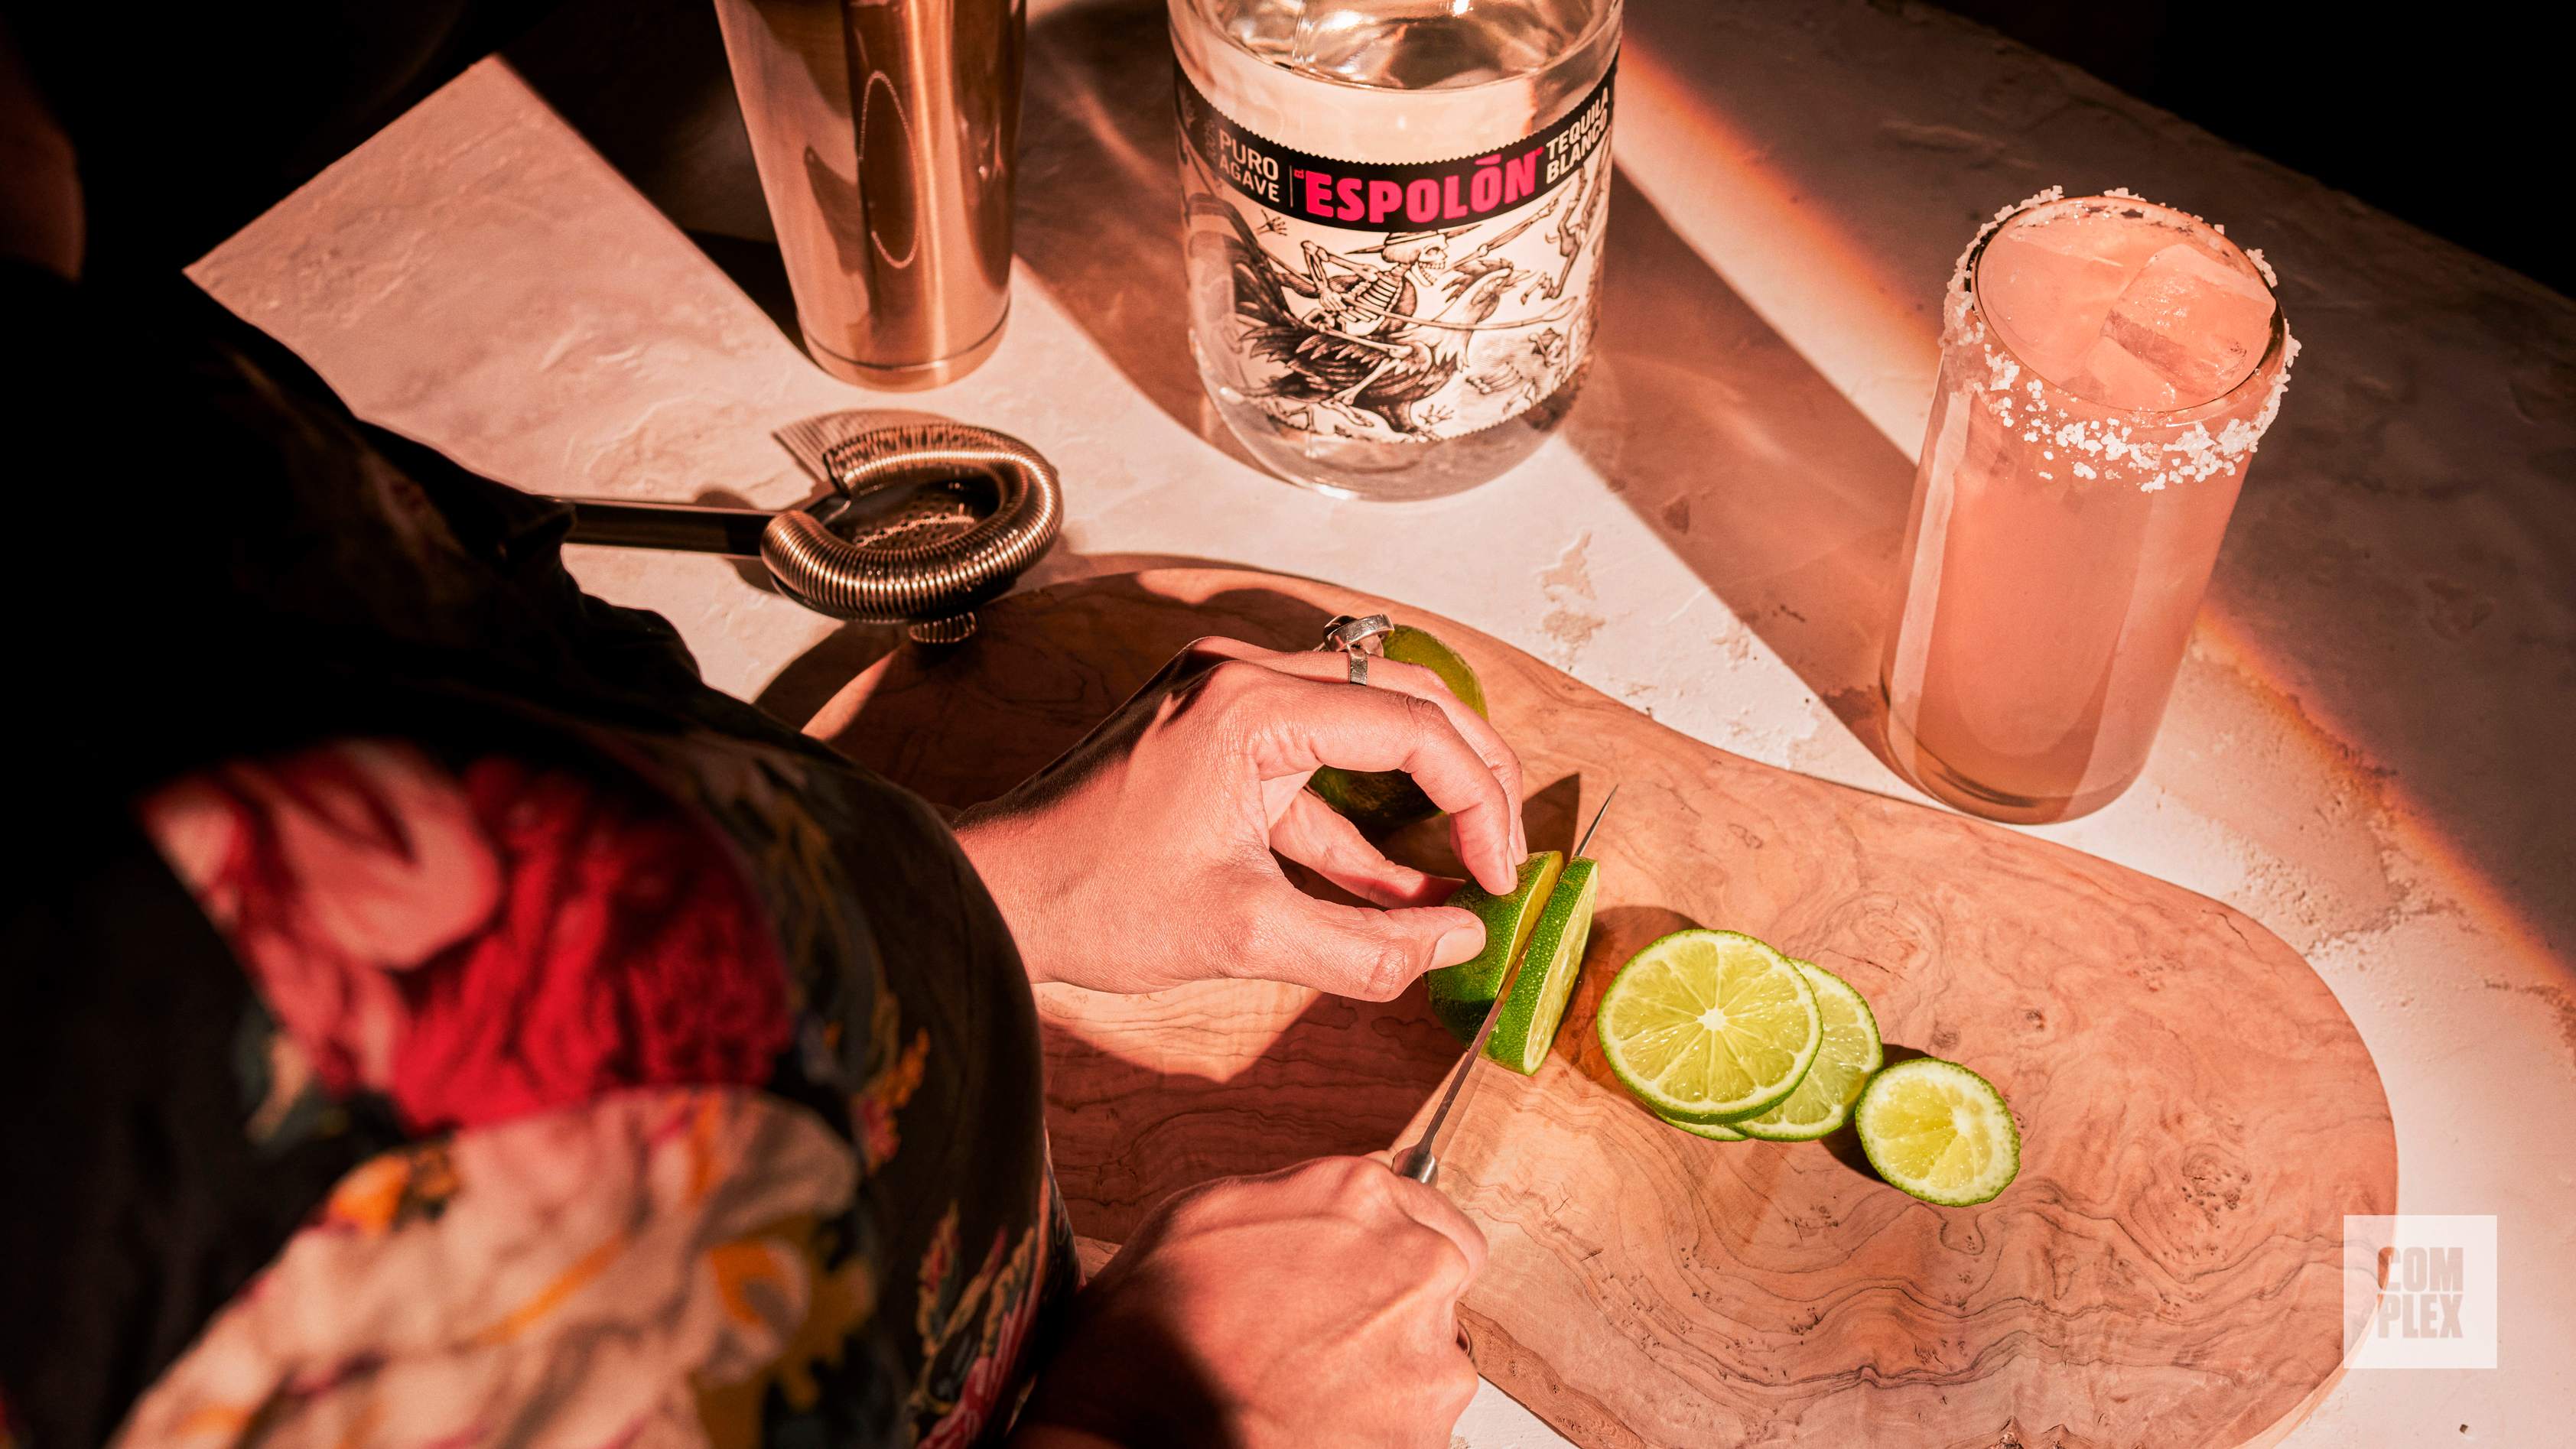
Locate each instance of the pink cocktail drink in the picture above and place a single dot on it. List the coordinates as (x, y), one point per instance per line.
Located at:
(2107, 367)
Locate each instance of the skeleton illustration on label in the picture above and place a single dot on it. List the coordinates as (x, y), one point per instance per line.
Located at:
(1395, 303)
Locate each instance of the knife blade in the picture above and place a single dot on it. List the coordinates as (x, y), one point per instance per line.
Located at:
(1422, 1161)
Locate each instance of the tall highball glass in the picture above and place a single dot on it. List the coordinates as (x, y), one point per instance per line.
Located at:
(2107, 367)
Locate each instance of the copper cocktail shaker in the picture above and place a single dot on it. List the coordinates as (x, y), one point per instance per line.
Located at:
(886, 132)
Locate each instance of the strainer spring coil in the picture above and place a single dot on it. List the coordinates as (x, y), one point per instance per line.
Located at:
(935, 585)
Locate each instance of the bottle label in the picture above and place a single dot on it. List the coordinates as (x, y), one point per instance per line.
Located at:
(1404, 302)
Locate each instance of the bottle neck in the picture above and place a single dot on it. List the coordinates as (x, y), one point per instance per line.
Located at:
(1254, 66)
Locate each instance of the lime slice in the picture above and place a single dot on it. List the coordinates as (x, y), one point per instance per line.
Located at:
(1710, 1026)
(1385, 800)
(1713, 1131)
(1823, 1100)
(1537, 1003)
(1938, 1131)
(1462, 994)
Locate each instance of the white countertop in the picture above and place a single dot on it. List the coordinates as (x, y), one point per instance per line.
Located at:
(2369, 747)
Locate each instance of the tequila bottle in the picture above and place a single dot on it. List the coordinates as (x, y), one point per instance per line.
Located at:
(1395, 215)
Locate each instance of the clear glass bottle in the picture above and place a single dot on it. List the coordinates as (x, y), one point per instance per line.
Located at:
(1395, 216)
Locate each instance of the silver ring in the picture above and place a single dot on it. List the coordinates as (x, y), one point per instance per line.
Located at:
(1348, 634)
(1353, 637)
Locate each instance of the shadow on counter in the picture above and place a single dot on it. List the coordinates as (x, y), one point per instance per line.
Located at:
(1779, 494)
(1099, 217)
(645, 82)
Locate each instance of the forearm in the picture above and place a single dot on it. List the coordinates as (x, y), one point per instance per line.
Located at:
(998, 847)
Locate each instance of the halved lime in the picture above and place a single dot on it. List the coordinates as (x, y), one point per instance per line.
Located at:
(1462, 994)
(1537, 1003)
(1938, 1131)
(1824, 1098)
(1710, 1026)
(1378, 801)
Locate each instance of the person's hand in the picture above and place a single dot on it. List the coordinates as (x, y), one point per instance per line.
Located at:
(1309, 1308)
(1142, 858)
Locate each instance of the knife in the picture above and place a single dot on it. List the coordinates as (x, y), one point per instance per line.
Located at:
(1422, 1161)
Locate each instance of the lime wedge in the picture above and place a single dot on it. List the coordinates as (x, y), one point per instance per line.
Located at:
(1529, 1020)
(1938, 1131)
(1462, 994)
(1383, 800)
(1824, 1098)
(1710, 1026)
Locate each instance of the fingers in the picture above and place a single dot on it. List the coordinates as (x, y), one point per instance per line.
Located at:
(1402, 678)
(1432, 1209)
(1456, 1390)
(1366, 1190)
(1370, 729)
(1349, 950)
(1444, 1218)
(1310, 833)
(1305, 724)
(1320, 1301)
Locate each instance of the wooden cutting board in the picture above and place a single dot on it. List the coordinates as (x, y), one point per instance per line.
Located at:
(2197, 1113)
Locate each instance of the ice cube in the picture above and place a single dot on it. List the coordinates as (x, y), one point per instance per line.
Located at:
(2047, 288)
(2197, 322)
(2115, 377)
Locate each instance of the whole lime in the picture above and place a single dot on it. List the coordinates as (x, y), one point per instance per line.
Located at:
(1378, 801)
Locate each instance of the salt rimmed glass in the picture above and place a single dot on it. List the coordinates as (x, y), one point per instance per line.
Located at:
(2056, 552)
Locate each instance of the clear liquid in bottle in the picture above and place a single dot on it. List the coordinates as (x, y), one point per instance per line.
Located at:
(1396, 211)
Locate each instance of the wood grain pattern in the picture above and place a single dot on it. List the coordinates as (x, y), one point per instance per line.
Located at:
(2197, 1112)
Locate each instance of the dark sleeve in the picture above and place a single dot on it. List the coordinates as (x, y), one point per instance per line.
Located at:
(212, 560)
(225, 560)
(613, 653)
(136, 1203)
(194, 121)
(518, 536)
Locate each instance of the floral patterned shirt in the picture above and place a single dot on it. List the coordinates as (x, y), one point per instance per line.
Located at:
(576, 1060)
